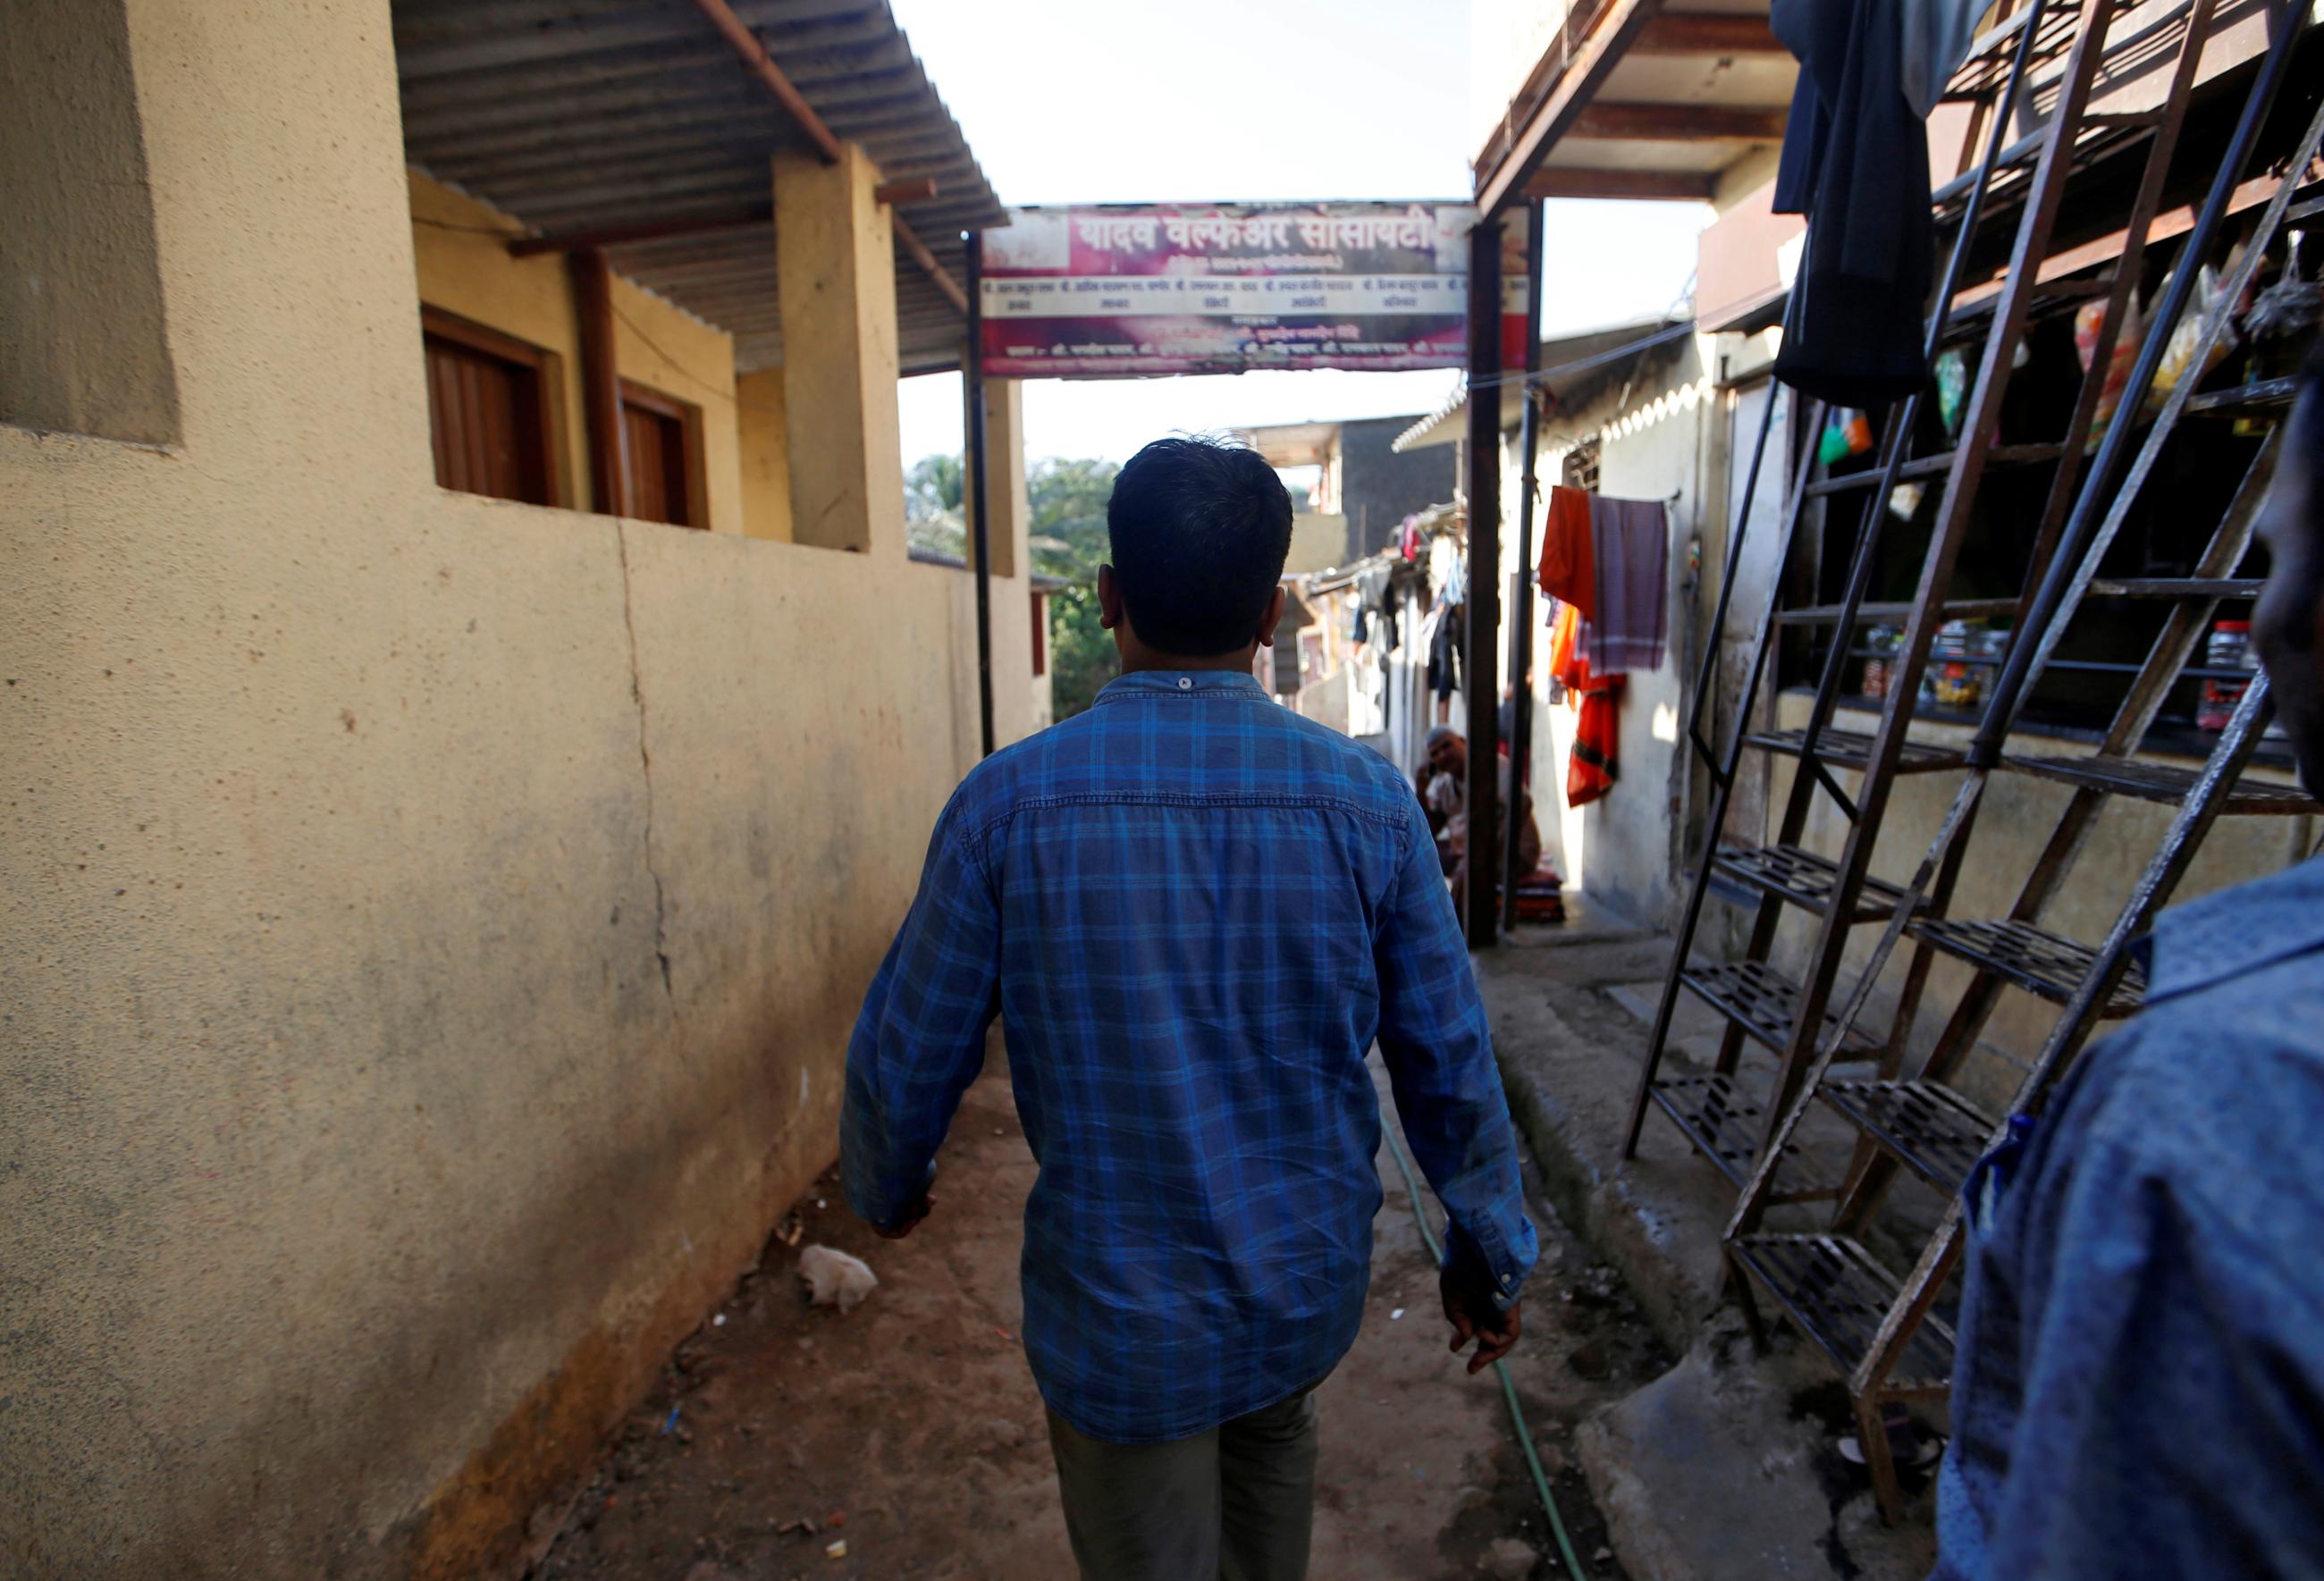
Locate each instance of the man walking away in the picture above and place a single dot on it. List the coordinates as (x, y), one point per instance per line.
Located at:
(2139, 1387)
(1194, 912)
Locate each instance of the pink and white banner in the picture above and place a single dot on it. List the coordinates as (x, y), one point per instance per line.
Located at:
(1127, 293)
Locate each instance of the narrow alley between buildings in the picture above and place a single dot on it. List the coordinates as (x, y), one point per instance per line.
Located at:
(905, 1439)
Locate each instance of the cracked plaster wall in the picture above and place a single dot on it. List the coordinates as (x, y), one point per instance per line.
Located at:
(358, 1158)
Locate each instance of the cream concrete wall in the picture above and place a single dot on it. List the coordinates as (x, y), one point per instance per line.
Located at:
(766, 457)
(431, 923)
(835, 269)
(462, 267)
(2014, 823)
(1623, 849)
(82, 346)
(1319, 541)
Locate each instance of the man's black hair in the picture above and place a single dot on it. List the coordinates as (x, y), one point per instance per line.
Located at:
(1199, 531)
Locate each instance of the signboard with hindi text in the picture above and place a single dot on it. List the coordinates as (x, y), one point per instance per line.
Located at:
(1127, 293)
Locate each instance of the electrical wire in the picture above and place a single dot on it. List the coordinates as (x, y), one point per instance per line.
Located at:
(1500, 1369)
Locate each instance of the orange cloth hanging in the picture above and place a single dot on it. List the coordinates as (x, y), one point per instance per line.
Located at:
(1566, 664)
(1591, 768)
(1569, 555)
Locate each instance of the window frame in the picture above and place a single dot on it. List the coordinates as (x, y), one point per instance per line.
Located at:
(534, 363)
(692, 474)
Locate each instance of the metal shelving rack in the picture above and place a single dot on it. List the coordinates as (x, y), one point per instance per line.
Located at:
(1726, 1115)
(1881, 1329)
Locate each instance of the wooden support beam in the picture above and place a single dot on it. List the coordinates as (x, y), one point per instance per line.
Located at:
(936, 272)
(745, 43)
(917, 190)
(1612, 31)
(1678, 122)
(1707, 33)
(601, 381)
(650, 230)
(1668, 185)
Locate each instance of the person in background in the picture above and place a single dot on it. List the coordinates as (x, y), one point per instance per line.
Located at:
(1442, 781)
(2138, 1383)
(1194, 913)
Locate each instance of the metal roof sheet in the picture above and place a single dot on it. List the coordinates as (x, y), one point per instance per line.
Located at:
(573, 114)
(1568, 361)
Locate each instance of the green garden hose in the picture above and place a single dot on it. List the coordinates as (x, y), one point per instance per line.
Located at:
(1508, 1390)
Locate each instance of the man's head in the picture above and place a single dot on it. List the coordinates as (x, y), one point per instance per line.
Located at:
(1200, 531)
(2288, 625)
(1447, 750)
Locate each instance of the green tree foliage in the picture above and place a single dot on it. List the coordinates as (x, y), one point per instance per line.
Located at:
(934, 519)
(1069, 543)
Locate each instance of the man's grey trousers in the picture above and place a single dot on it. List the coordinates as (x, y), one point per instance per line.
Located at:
(1231, 1504)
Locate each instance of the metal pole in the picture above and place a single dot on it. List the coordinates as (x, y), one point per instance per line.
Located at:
(1521, 603)
(979, 488)
(1483, 658)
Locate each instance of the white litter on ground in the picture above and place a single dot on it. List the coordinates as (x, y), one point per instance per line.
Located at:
(834, 1279)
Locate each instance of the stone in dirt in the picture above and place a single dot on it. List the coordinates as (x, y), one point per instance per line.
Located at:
(834, 1279)
(1509, 1559)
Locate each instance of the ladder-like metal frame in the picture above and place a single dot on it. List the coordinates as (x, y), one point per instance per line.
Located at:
(1711, 1112)
(1923, 1125)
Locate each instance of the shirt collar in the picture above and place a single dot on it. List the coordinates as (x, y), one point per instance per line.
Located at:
(1182, 683)
(2235, 931)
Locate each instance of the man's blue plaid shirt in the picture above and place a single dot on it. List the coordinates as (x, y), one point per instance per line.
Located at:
(1194, 911)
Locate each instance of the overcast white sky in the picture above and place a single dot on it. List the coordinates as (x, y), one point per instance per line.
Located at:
(1125, 101)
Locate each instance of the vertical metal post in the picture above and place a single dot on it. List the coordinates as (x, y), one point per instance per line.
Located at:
(978, 483)
(1521, 603)
(1482, 660)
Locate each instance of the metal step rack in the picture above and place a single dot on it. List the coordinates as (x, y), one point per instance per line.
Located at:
(1879, 1329)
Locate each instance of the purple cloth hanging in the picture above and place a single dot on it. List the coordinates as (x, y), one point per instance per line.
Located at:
(1632, 540)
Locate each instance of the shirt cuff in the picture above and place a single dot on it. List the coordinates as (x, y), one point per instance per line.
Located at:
(1501, 1281)
(878, 1205)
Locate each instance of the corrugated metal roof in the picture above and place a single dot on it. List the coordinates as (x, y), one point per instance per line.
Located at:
(580, 114)
(1568, 361)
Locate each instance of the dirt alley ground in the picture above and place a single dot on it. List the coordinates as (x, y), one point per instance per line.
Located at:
(910, 1429)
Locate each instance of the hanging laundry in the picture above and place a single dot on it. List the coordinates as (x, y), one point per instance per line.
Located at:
(1373, 587)
(1568, 567)
(1444, 650)
(1937, 37)
(1631, 546)
(1856, 162)
(1567, 667)
(1591, 767)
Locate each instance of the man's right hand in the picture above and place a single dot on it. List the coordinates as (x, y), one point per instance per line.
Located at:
(910, 1221)
(1473, 1316)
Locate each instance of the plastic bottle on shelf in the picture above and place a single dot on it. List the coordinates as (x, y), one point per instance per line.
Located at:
(2229, 648)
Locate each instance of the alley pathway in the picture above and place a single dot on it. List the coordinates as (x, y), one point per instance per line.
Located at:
(910, 1430)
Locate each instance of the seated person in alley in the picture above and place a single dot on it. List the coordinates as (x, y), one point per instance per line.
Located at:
(1442, 781)
(1194, 912)
(2138, 1383)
